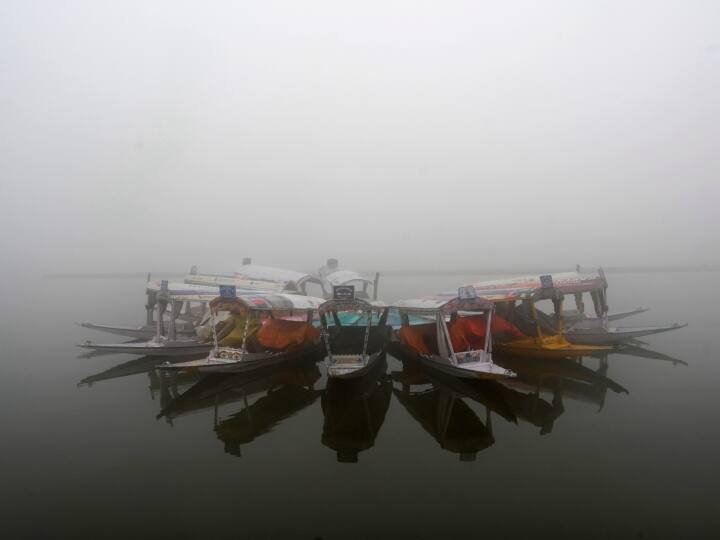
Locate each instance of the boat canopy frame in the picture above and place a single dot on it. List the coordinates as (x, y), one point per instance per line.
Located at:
(332, 307)
(442, 306)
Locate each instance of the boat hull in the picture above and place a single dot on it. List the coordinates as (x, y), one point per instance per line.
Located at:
(580, 319)
(249, 362)
(151, 348)
(136, 332)
(547, 347)
(615, 336)
(467, 370)
(352, 371)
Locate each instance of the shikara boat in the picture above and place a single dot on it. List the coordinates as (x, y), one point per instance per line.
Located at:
(577, 327)
(262, 278)
(354, 412)
(331, 275)
(185, 316)
(615, 335)
(354, 345)
(459, 339)
(264, 329)
(167, 340)
(522, 329)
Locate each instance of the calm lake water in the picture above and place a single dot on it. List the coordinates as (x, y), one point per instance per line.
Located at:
(285, 455)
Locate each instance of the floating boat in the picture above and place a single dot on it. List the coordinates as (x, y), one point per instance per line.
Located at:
(185, 317)
(167, 341)
(615, 335)
(262, 278)
(331, 275)
(461, 346)
(576, 327)
(265, 328)
(354, 412)
(352, 349)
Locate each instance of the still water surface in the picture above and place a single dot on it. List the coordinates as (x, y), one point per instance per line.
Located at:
(101, 447)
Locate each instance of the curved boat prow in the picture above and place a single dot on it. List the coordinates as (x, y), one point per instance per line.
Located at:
(625, 314)
(616, 335)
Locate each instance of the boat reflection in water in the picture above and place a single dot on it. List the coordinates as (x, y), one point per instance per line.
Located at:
(440, 403)
(268, 396)
(561, 377)
(434, 399)
(457, 412)
(354, 411)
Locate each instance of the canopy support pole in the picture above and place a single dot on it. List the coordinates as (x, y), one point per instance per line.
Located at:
(150, 307)
(367, 333)
(214, 330)
(243, 348)
(326, 336)
(488, 336)
(446, 335)
(533, 310)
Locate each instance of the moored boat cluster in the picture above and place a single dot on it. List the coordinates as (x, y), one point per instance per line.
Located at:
(260, 316)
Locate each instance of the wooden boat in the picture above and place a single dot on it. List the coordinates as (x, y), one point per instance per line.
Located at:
(331, 275)
(267, 328)
(461, 348)
(352, 348)
(185, 318)
(167, 341)
(262, 278)
(521, 328)
(577, 327)
(615, 335)
(354, 412)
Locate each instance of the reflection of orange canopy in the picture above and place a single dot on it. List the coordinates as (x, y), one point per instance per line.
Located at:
(279, 334)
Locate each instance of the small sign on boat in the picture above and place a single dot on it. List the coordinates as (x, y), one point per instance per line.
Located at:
(228, 291)
(546, 281)
(467, 292)
(344, 292)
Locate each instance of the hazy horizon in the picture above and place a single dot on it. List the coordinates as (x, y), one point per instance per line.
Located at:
(141, 136)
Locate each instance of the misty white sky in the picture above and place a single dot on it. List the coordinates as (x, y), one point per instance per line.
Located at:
(154, 135)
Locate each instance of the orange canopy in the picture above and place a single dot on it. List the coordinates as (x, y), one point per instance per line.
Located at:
(420, 337)
(279, 334)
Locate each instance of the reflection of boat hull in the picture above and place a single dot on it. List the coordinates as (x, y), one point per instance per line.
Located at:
(247, 362)
(547, 347)
(152, 348)
(137, 332)
(343, 367)
(613, 336)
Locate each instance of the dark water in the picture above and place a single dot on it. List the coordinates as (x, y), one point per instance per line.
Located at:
(285, 455)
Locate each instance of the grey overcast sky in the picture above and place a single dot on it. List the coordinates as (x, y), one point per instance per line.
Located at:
(157, 134)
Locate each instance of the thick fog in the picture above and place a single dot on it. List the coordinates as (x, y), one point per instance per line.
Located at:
(153, 135)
